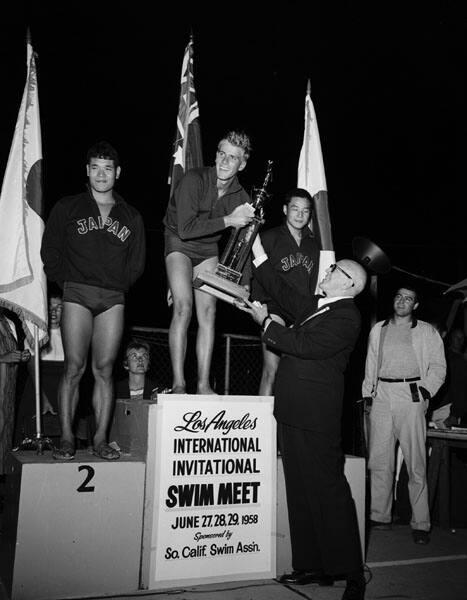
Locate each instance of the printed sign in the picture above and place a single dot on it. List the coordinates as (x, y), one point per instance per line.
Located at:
(214, 509)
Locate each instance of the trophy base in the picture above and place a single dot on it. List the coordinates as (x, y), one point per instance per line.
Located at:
(228, 273)
(221, 288)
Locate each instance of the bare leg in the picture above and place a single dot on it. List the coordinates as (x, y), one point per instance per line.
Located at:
(206, 314)
(180, 275)
(270, 363)
(76, 329)
(106, 337)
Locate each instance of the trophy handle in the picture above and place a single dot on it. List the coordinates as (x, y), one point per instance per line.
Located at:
(260, 194)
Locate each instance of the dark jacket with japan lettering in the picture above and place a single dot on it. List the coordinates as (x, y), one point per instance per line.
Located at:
(298, 264)
(79, 245)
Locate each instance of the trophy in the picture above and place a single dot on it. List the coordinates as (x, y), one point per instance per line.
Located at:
(224, 283)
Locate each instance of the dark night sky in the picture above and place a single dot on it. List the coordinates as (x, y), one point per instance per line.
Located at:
(388, 82)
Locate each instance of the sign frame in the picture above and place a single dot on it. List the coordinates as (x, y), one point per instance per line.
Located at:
(179, 542)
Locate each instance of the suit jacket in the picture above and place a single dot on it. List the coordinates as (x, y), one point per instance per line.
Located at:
(309, 385)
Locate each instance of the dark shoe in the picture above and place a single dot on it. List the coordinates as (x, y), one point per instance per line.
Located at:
(355, 589)
(420, 536)
(306, 577)
(380, 525)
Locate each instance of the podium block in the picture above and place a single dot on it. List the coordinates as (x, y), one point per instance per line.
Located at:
(354, 470)
(72, 528)
(130, 426)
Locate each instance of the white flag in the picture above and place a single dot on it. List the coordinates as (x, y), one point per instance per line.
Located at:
(311, 177)
(23, 285)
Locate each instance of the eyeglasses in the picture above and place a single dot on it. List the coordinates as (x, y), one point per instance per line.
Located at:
(335, 266)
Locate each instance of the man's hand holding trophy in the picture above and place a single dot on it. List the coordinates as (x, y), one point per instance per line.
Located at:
(224, 283)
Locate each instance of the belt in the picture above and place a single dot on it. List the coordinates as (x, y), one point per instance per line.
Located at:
(406, 380)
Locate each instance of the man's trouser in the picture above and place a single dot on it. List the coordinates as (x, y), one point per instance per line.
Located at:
(396, 417)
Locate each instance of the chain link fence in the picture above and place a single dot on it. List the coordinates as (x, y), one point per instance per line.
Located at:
(236, 370)
(236, 362)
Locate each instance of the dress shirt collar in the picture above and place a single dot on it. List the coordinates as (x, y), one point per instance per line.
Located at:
(323, 301)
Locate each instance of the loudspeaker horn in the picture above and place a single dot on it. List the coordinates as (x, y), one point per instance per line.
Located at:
(370, 255)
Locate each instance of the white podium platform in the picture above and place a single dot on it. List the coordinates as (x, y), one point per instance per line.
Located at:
(83, 527)
(72, 527)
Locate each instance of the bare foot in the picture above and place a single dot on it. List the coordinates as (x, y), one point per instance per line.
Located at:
(205, 389)
(178, 389)
(66, 450)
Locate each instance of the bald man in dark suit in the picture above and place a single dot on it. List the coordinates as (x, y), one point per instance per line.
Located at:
(309, 391)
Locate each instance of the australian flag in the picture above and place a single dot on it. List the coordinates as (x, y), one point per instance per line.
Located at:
(187, 151)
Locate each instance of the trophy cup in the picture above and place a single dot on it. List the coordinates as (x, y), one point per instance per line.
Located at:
(224, 283)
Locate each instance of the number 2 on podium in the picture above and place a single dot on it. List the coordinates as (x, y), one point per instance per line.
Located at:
(84, 487)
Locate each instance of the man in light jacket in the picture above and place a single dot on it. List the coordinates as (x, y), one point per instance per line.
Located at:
(405, 367)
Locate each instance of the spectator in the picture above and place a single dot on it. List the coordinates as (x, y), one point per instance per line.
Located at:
(51, 368)
(405, 367)
(137, 386)
(10, 357)
(450, 404)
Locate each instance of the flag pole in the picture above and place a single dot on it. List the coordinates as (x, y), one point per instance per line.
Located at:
(23, 286)
(37, 386)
